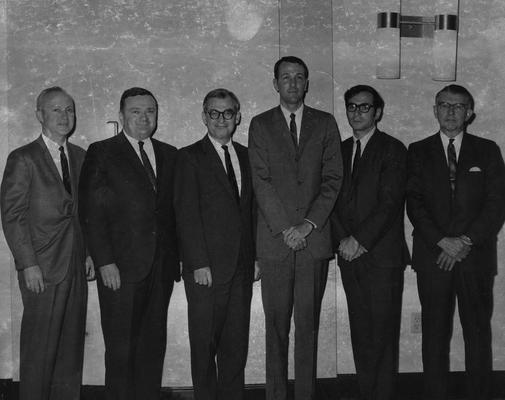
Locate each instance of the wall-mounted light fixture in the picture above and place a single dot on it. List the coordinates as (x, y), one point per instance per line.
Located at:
(443, 29)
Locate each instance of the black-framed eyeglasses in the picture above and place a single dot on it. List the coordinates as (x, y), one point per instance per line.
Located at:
(457, 107)
(362, 108)
(227, 114)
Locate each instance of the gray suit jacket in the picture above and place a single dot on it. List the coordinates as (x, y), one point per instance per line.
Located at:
(292, 185)
(39, 217)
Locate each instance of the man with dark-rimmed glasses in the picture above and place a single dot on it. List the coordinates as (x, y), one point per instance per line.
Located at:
(368, 235)
(214, 208)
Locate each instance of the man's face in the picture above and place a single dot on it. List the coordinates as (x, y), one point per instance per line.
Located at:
(139, 116)
(57, 115)
(362, 122)
(291, 85)
(221, 129)
(452, 112)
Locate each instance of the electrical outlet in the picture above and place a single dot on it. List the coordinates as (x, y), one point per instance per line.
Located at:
(415, 322)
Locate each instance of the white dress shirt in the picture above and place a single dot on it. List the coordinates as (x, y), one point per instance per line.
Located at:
(148, 148)
(233, 156)
(54, 151)
(457, 144)
(298, 119)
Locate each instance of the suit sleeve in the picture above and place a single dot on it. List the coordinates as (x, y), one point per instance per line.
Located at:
(93, 195)
(190, 229)
(490, 219)
(416, 209)
(15, 199)
(390, 199)
(269, 202)
(331, 176)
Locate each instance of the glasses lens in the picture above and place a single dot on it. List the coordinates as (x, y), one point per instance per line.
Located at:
(365, 107)
(351, 107)
(228, 114)
(213, 114)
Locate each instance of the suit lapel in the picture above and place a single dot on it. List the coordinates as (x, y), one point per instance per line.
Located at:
(466, 157)
(243, 159)
(74, 168)
(215, 164)
(159, 164)
(306, 130)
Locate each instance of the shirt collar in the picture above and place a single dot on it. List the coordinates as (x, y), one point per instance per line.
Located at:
(218, 145)
(457, 139)
(287, 113)
(135, 142)
(52, 145)
(365, 138)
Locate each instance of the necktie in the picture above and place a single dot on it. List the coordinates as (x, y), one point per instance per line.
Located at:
(357, 156)
(147, 165)
(65, 172)
(230, 172)
(292, 129)
(453, 164)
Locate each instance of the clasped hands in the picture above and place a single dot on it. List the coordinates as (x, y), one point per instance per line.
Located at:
(294, 236)
(454, 249)
(350, 249)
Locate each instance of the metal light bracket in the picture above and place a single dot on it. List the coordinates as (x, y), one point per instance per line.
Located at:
(415, 26)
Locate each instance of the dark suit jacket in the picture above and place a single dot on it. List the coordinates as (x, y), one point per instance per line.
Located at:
(126, 222)
(39, 216)
(371, 206)
(214, 231)
(289, 185)
(479, 203)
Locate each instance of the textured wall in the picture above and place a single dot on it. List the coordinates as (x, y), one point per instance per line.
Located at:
(182, 49)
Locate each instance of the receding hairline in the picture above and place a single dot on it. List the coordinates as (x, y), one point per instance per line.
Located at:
(49, 92)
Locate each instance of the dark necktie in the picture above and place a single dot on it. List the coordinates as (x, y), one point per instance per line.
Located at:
(230, 172)
(147, 165)
(292, 129)
(453, 164)
(65, 172)
(355, 162)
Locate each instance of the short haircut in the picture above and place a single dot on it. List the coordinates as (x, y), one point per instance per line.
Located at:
(378, 101)
(41, 98)
(135, 91)
(221, 93)
(292, 60)
(457, 89)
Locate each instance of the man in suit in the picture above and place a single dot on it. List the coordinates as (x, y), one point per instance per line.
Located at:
(214, 208)
(39, 217)
(126, 200)
(296, 165)
(456, 203)
(369, 236)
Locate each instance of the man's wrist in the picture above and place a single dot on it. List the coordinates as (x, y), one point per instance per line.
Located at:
(466, 240)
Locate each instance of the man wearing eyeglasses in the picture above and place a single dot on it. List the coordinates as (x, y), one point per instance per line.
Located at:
(214, 208)
(367, 224)
(296, 166)
(456, 203)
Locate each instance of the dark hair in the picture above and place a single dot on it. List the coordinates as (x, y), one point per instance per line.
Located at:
(41, 98)
(221, 93)
(292, 60)
(135, 91)
(457, 89)
(378, 101)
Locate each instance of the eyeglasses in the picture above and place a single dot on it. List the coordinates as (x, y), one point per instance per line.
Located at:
(363, 107)
(227, 114)
(457, 107)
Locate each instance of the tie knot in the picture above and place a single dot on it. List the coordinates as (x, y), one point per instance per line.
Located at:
(141, 143)
(451, 141)
(62, 149)
(225, 148)
(292, 116)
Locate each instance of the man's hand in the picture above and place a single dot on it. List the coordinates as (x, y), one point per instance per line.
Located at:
(294, 237)
(349, 248)
(451, 245)
(110, 276)
(257, 271)
(445, 261)
(90, 269)
(203, 276)
(34, 280)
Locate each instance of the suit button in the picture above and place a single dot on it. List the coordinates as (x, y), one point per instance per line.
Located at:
(300, 183)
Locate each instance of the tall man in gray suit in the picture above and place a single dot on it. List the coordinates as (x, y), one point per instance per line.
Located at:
(39, 217)
(296, 166)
